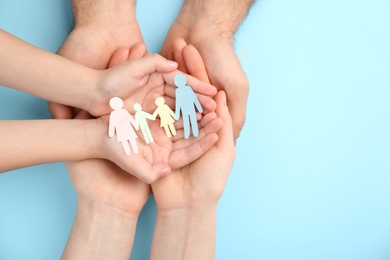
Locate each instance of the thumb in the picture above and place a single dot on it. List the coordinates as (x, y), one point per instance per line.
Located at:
(226, 137)
(153, 63)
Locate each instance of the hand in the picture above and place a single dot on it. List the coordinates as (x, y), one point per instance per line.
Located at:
(101, 28)
(197, 174)
(222, 64)
(187, 198)
(111, 198)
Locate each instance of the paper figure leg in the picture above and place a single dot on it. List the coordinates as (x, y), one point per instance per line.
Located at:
(173, 129)
(194, 125)
(126, 147)
(134, 146)
(151, 140)
(145, 134)
(167, 132)
(186, 125)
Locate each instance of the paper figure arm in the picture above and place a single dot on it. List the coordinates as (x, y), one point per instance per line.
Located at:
(156, 113)
(197, 104)
(149, 116)
(177, 110)
(171, 112)
(111, 127)
(133, 122)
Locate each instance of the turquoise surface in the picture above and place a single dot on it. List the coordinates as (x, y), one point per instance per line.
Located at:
(312, 174)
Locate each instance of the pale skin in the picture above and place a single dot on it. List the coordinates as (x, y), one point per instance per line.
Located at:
(113, 197)
(102, 27)
(55, 78)
(100, 185)
(186, 221)
(97, 36)
(210, 25)
(64, 140)
(187, 199)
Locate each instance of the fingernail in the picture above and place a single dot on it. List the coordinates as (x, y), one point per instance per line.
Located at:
(224, 98)
(165, 171)
(172, 63)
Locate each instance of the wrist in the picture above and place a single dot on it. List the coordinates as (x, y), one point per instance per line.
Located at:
(103, 13)
(103, 231)
(206, 20)
(185, 234)
(113, 20)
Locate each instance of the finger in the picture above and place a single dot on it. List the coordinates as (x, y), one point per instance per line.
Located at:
(197, 85)
(213, 126)
(170, 102)
(170, 90)
(237, 101)
(179, 123)
(178, 46)
(207, 118)
(208, 104)
(82, 114)
(226, 137)
(119, 56)
(59, 111)
(170, 55)
(151, 63)
(142, 169)
(195, 64)
(137, 51)
(185, 156)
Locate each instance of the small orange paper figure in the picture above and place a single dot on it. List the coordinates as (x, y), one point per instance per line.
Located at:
(166, 116)
(140, 118)
(122, 123)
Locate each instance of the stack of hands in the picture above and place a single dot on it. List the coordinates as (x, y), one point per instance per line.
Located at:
(105, 56)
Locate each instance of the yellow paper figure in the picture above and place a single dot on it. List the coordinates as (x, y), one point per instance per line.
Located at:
(166, 116)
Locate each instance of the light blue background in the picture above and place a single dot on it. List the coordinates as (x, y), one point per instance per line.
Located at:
(311, 178)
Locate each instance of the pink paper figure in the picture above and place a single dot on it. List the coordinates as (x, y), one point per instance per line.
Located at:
(122, 123)
(186, 103)
(140, 118)
(166, 116)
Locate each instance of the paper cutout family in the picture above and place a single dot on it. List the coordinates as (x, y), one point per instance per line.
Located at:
(123, 124)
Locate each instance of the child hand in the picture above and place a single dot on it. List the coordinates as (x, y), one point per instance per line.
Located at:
(142, 80)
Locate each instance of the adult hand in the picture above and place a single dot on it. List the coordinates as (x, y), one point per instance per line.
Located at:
(109, 199)
(101, 28)
(211, 31)
(222, 65)
(187, 198)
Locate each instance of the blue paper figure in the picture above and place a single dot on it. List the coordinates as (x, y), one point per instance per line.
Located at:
(186, 102)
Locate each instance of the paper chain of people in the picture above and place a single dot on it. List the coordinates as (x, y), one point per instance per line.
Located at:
(123, 124)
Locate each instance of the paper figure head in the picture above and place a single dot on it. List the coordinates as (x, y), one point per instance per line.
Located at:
(137, 107)
(180, 80)
(160, 101)
(116, 103)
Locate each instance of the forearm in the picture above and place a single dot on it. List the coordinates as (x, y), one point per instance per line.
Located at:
(100, 232)
(33, 142)
(185, 234)
(222, 17)
(103, 12)
(29, 69)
